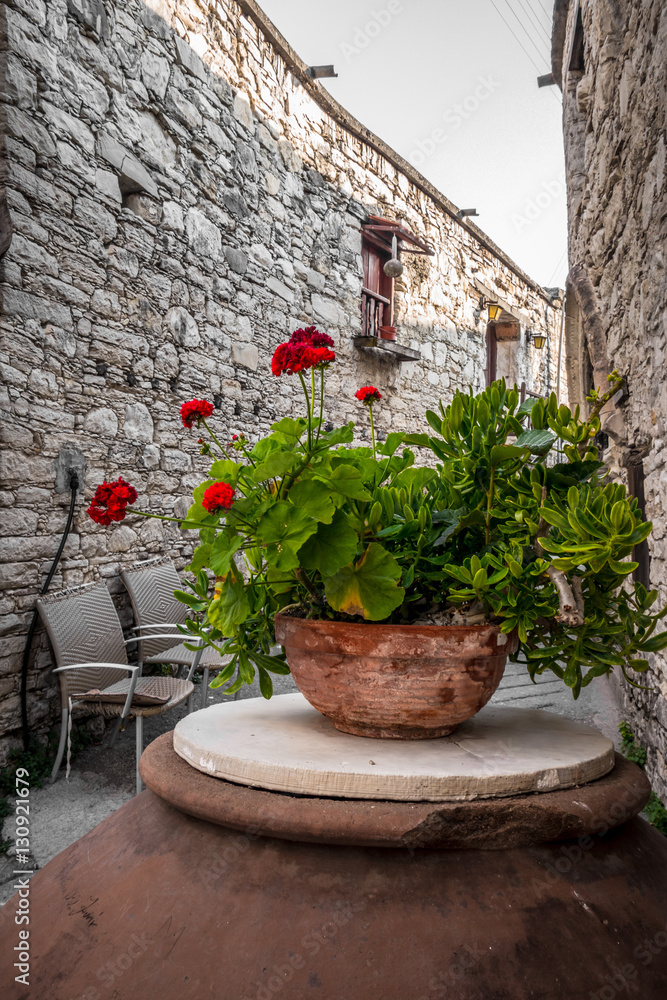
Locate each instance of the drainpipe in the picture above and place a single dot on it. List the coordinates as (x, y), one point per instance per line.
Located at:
(560, 345)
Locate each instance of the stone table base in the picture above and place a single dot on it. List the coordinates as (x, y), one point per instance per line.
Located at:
(286, 745)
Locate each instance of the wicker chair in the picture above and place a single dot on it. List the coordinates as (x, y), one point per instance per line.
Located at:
(89, 648)
(151, 585)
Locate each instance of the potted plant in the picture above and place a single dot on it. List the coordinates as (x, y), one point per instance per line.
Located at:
(398, 589)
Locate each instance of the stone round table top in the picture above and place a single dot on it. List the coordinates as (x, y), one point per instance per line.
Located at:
(285, 745)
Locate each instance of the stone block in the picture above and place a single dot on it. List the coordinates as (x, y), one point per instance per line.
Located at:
(18, 85)
(325, 310)
(18, 521)
(102, 421)
(280, 288)
(121, 538)
(237, 260)
(138, 423)
(132, 175)
(203, 236)
(90, 13)
(28, 129)
(182, 326)
(242, 111)
(189, 59)
(235, 203)
(155, 73)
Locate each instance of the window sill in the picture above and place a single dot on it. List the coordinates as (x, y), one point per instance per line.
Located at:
(396, 350)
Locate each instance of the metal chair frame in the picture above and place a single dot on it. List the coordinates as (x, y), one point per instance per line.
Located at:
(60, 612)
(161, 583)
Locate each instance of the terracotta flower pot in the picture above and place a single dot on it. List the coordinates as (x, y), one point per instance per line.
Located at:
(404, 682)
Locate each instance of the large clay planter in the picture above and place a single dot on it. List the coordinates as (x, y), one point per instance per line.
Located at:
(404, 682)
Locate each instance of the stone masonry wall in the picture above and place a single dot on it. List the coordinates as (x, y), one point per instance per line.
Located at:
(177, 197)
(615, 128)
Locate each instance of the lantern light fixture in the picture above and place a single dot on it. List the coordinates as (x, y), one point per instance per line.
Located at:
(494, 311)
(538, 339)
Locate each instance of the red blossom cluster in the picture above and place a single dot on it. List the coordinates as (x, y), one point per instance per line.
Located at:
(217, 497)
(195, 411)
(305, 349)
(368, 394)
(311, 337)
(111, 501)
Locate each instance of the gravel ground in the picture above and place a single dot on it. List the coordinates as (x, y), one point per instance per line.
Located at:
(102, 779)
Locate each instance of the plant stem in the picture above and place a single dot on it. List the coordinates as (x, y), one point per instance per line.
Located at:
(214, 438)
(312, 398)
(310, 425)
(489, 504)
(319, 426)
(370, 413)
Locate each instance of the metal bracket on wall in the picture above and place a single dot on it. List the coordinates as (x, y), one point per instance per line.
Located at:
(397, 351)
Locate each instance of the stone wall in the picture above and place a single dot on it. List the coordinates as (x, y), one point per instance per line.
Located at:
(615, 128)
(178, 195)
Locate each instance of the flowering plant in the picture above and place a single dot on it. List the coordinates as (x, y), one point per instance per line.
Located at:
(490, 531)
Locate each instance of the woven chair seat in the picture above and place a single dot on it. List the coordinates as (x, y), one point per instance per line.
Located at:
(210, 659)
(176, 690)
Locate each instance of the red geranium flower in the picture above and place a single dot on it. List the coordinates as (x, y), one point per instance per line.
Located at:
(195, 411)
(368, 394)
(293, 358)
(219, 496)
(311, 337)
(111, 501)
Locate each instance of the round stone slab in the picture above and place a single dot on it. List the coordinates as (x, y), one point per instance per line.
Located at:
(285, 745)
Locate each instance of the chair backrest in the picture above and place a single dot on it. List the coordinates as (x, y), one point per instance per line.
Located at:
(151, 585)
(83, 627)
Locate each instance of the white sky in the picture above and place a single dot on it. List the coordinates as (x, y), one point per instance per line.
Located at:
(405, 65)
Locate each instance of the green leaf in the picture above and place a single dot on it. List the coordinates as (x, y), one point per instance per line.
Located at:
(275, 466)
(415, 479)
(284, 529)
(191, 600)
(368, 588)
(346, 481)
(222, 552)
(232, 607)
(537, 442)
(655, 644)
(288, 431)
(224, 470)
(435, 421)
(505, 453)
(340, 435)
(313, 498)
(265, 683)
(199, 559)
(622, 568)
(392, 444)
(331, 547)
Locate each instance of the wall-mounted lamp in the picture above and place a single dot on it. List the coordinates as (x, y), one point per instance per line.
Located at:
(494, 311)
(321, 72)
(463, 213)
(538, 339)
(393, 268)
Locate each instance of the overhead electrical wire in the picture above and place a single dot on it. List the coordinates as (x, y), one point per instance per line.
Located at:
(528, 35)
(534, 21)
(520, 43)
(511, 29)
